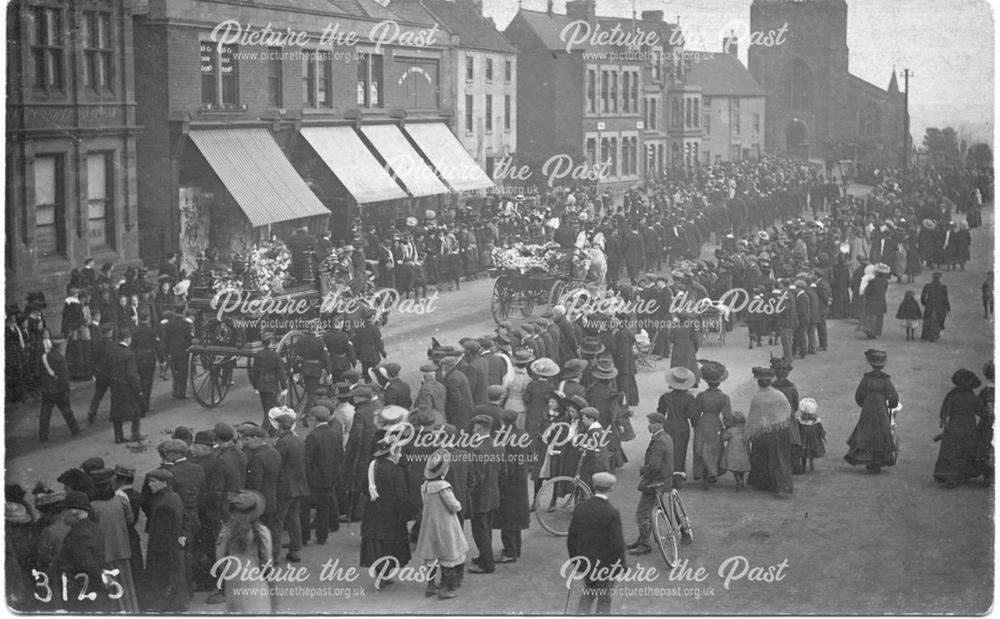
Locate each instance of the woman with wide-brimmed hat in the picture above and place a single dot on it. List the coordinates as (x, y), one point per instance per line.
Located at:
(681, 411)
(959, 414)
(386, 510)
(871, 443)
(244, 537)
(767, 430)
(603, 395)
(715, 413)
(441, 538)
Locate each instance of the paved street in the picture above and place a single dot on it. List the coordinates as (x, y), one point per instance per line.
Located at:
(898, 540)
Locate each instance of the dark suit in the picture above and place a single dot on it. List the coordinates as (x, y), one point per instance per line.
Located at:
(146, 345)
(371, 350)
(341, 349)
(290, 489)
(485, 476)
(934, 298)
(166, 584)
(397, 392)
(177, 336)
(267, 374)
(568, 347)
(657, 468)
(324, 448)
(101, 377)
(126, 393)
(263, 466)
(360, 444)
(313, 361)
(458, 399)
(595, 534)
(54, 391)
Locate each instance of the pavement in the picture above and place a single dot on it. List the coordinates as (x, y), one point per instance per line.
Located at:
(850, 542)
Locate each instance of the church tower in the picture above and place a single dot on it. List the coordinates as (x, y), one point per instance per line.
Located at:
(806, 77)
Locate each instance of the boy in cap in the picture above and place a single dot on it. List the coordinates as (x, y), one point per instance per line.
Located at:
(485, 477)
(324, 454)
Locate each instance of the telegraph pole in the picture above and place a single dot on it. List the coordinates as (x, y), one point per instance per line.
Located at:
(906, 117)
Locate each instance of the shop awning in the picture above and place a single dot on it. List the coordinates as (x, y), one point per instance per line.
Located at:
(448, 156)
(355, 166)
(258, 175)
(404, 160)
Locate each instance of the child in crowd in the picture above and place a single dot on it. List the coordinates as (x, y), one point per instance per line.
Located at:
(736, 456)
(909, 315)
(812, 432)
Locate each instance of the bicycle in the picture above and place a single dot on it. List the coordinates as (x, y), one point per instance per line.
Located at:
(555, 500)
(670, 523)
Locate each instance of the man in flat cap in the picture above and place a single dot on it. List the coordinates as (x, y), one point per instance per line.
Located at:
(485, 476)
(596, 540)
(431, 394)
(458, 395)
(655, 476)
(166, 588)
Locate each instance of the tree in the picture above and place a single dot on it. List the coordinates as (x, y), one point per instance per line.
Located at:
(942, 145)
(980, 155)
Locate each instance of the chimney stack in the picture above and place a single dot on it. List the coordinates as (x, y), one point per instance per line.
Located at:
(548, 6)
(585, 10)
(731, 44)
(652, 16)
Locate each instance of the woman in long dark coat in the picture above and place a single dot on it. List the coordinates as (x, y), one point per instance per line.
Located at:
(514, 513)
(767, 430)
(871, 443)
(959, 413)
(927, 239)
(77, 336)
(874, 304)
(624, 352)
(383, 527)
(682, 412)
(913, 256)
(840, 288)
(958, 245)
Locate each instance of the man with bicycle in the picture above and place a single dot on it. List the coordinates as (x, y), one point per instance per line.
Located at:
(656, 475)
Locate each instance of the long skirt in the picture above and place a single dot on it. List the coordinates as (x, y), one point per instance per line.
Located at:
(374, 549)
(870, 324)
(872, 442)
(78, 359)
(129, 601)
(680, 435)
(931, 329)
(770, 461)
(955, 458)
(707, 453)
(628, 386)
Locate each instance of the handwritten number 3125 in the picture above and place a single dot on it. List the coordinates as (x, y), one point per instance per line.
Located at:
(115, 590)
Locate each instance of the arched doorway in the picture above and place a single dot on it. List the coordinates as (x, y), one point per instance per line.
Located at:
(795, 135)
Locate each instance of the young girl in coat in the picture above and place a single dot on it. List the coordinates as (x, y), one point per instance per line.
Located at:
(910, 315)
(736, 456)
(441, 542)
(812, 432)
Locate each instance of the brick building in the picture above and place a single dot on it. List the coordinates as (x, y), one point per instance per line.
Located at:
(585, 102)
(733, 107)
(815, 107)
(71, 143)
(356, 103)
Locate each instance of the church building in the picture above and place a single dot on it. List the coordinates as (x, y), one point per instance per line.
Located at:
(815, 107)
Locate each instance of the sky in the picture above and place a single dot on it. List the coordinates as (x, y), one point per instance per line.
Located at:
(948, 45)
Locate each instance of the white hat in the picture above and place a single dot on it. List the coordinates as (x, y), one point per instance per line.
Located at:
(182, 287)
(411, 221)
(278, 412)
(392, 414)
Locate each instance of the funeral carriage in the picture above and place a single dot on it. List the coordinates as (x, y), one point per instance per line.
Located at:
(531, 275)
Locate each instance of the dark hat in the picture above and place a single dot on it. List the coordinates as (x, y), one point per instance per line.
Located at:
(714, 372)
(494, 392)
(762, 372)
(936, 274)
(876, 358)
(391, 368)
(107, 329)
(471, 346)
(780, 363)
(590, 411)
(591, 345)
(576, 401)
(172, 446)
(508, 416)
(523, 356)
(423, 417)
(574, 367)
(75, 479)
(428, 368)
(125, 472)
(102, 476)
(183, 433)
(656, 418)
(604, 369)
(76, 500)
(485, 343)
(51, 500)
(965, 379)
(205, 437)
(161, 474)
(482, 420)
(246, 505)
(253, 431)
(91, 464)
(364, 391)
(382, 448)
(343, 391)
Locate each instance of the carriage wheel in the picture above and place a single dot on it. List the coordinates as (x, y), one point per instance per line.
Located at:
(500, 303)
(288, 351)
(558, 288)
(210, 375)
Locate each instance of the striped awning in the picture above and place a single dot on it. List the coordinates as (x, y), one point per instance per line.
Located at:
(353, 164)
(404, 161)
(258, 175)
(448, 156)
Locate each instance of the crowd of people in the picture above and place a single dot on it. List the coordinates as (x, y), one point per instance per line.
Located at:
(395, 458)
